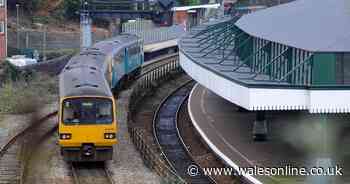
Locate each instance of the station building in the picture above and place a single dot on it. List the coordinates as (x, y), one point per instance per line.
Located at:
(294, 56)
(3, 31)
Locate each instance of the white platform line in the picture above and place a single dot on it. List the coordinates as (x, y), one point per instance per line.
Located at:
(213, 146)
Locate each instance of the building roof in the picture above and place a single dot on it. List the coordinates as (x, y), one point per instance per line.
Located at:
(313, 25)
(185, 8)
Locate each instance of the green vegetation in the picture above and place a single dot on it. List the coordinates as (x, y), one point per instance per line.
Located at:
(71, 7)
(67, 10)
(24, 91)
(28, 5)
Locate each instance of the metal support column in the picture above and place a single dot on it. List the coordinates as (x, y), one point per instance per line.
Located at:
(85, 27)
(260, 129)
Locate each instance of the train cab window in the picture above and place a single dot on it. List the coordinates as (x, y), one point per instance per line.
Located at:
(87, 111)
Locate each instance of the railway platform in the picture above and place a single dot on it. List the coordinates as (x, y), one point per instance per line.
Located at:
(284, 77)
(292, 141)
(153, 47)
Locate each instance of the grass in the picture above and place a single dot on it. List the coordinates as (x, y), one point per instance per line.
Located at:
(23, 97)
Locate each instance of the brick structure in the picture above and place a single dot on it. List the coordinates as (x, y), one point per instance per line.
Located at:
(3, 34)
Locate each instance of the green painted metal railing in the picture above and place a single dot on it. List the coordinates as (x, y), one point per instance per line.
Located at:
(265, 60)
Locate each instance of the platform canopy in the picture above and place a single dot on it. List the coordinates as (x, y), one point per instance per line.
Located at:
(313, 25)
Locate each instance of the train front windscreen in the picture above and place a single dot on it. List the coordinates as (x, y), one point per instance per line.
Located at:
(84, 111)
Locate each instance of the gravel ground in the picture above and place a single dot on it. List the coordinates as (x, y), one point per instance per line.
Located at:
(9, 126)
(127, 166)
(47, 166)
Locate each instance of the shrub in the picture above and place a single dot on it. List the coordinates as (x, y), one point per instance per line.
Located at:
(26, 96)
(71, 7)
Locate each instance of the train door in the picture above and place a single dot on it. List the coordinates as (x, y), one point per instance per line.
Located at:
(117, 69)
(142, 54)
(126, 60)
(109, 72)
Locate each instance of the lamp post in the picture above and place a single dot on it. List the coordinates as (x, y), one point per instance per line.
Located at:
(43, 47)
(17, 24)
(85, 26)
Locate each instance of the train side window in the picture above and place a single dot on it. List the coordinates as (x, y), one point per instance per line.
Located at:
(118, 58)
(2, 27)
(135, 49)
(130, 51)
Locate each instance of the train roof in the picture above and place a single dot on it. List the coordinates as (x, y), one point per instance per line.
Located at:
(84, 75)
(116, 43)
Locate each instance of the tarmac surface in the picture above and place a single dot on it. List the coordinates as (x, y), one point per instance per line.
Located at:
(296, 139)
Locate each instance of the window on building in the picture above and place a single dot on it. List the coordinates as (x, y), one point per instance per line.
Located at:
(2, 26)
(2, 2)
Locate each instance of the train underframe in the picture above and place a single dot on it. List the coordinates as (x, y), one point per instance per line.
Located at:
(87, 153)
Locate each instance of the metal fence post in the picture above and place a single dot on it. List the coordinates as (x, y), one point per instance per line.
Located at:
(44, 44)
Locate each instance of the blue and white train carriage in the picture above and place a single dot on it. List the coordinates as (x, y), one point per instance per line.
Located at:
(124, 58)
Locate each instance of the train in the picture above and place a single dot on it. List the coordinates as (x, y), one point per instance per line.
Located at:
(88, 124)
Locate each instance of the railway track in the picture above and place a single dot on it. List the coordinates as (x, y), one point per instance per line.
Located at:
(169, 139)
(11, 167)
(94, 173)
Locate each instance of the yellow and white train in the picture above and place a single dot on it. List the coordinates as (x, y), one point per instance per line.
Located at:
(87, 120)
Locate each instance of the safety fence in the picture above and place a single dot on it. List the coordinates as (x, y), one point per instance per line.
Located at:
(144, 143)
(46, 42)
(152, 34)
(137, 26)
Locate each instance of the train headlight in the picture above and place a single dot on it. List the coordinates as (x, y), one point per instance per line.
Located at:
(109, 135)
(65, 136)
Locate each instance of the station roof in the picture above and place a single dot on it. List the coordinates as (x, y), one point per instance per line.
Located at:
(313, 25)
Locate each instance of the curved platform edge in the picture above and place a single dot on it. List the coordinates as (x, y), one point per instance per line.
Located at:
(256, 99)
(212, 146)
(153, 47)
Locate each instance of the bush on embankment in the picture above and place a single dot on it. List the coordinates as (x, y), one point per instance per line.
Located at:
(24, 91)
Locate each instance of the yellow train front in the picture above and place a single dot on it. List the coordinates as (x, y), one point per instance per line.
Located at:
(88, 126)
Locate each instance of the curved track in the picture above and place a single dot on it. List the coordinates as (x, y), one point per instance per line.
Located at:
(91, 172)
(11, 166)
(33, 125)
(169, 139)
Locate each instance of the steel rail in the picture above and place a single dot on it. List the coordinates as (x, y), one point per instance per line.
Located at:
(180, 137)
(175, 152)
(76, 176)
(6, 152)
(14, 138)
